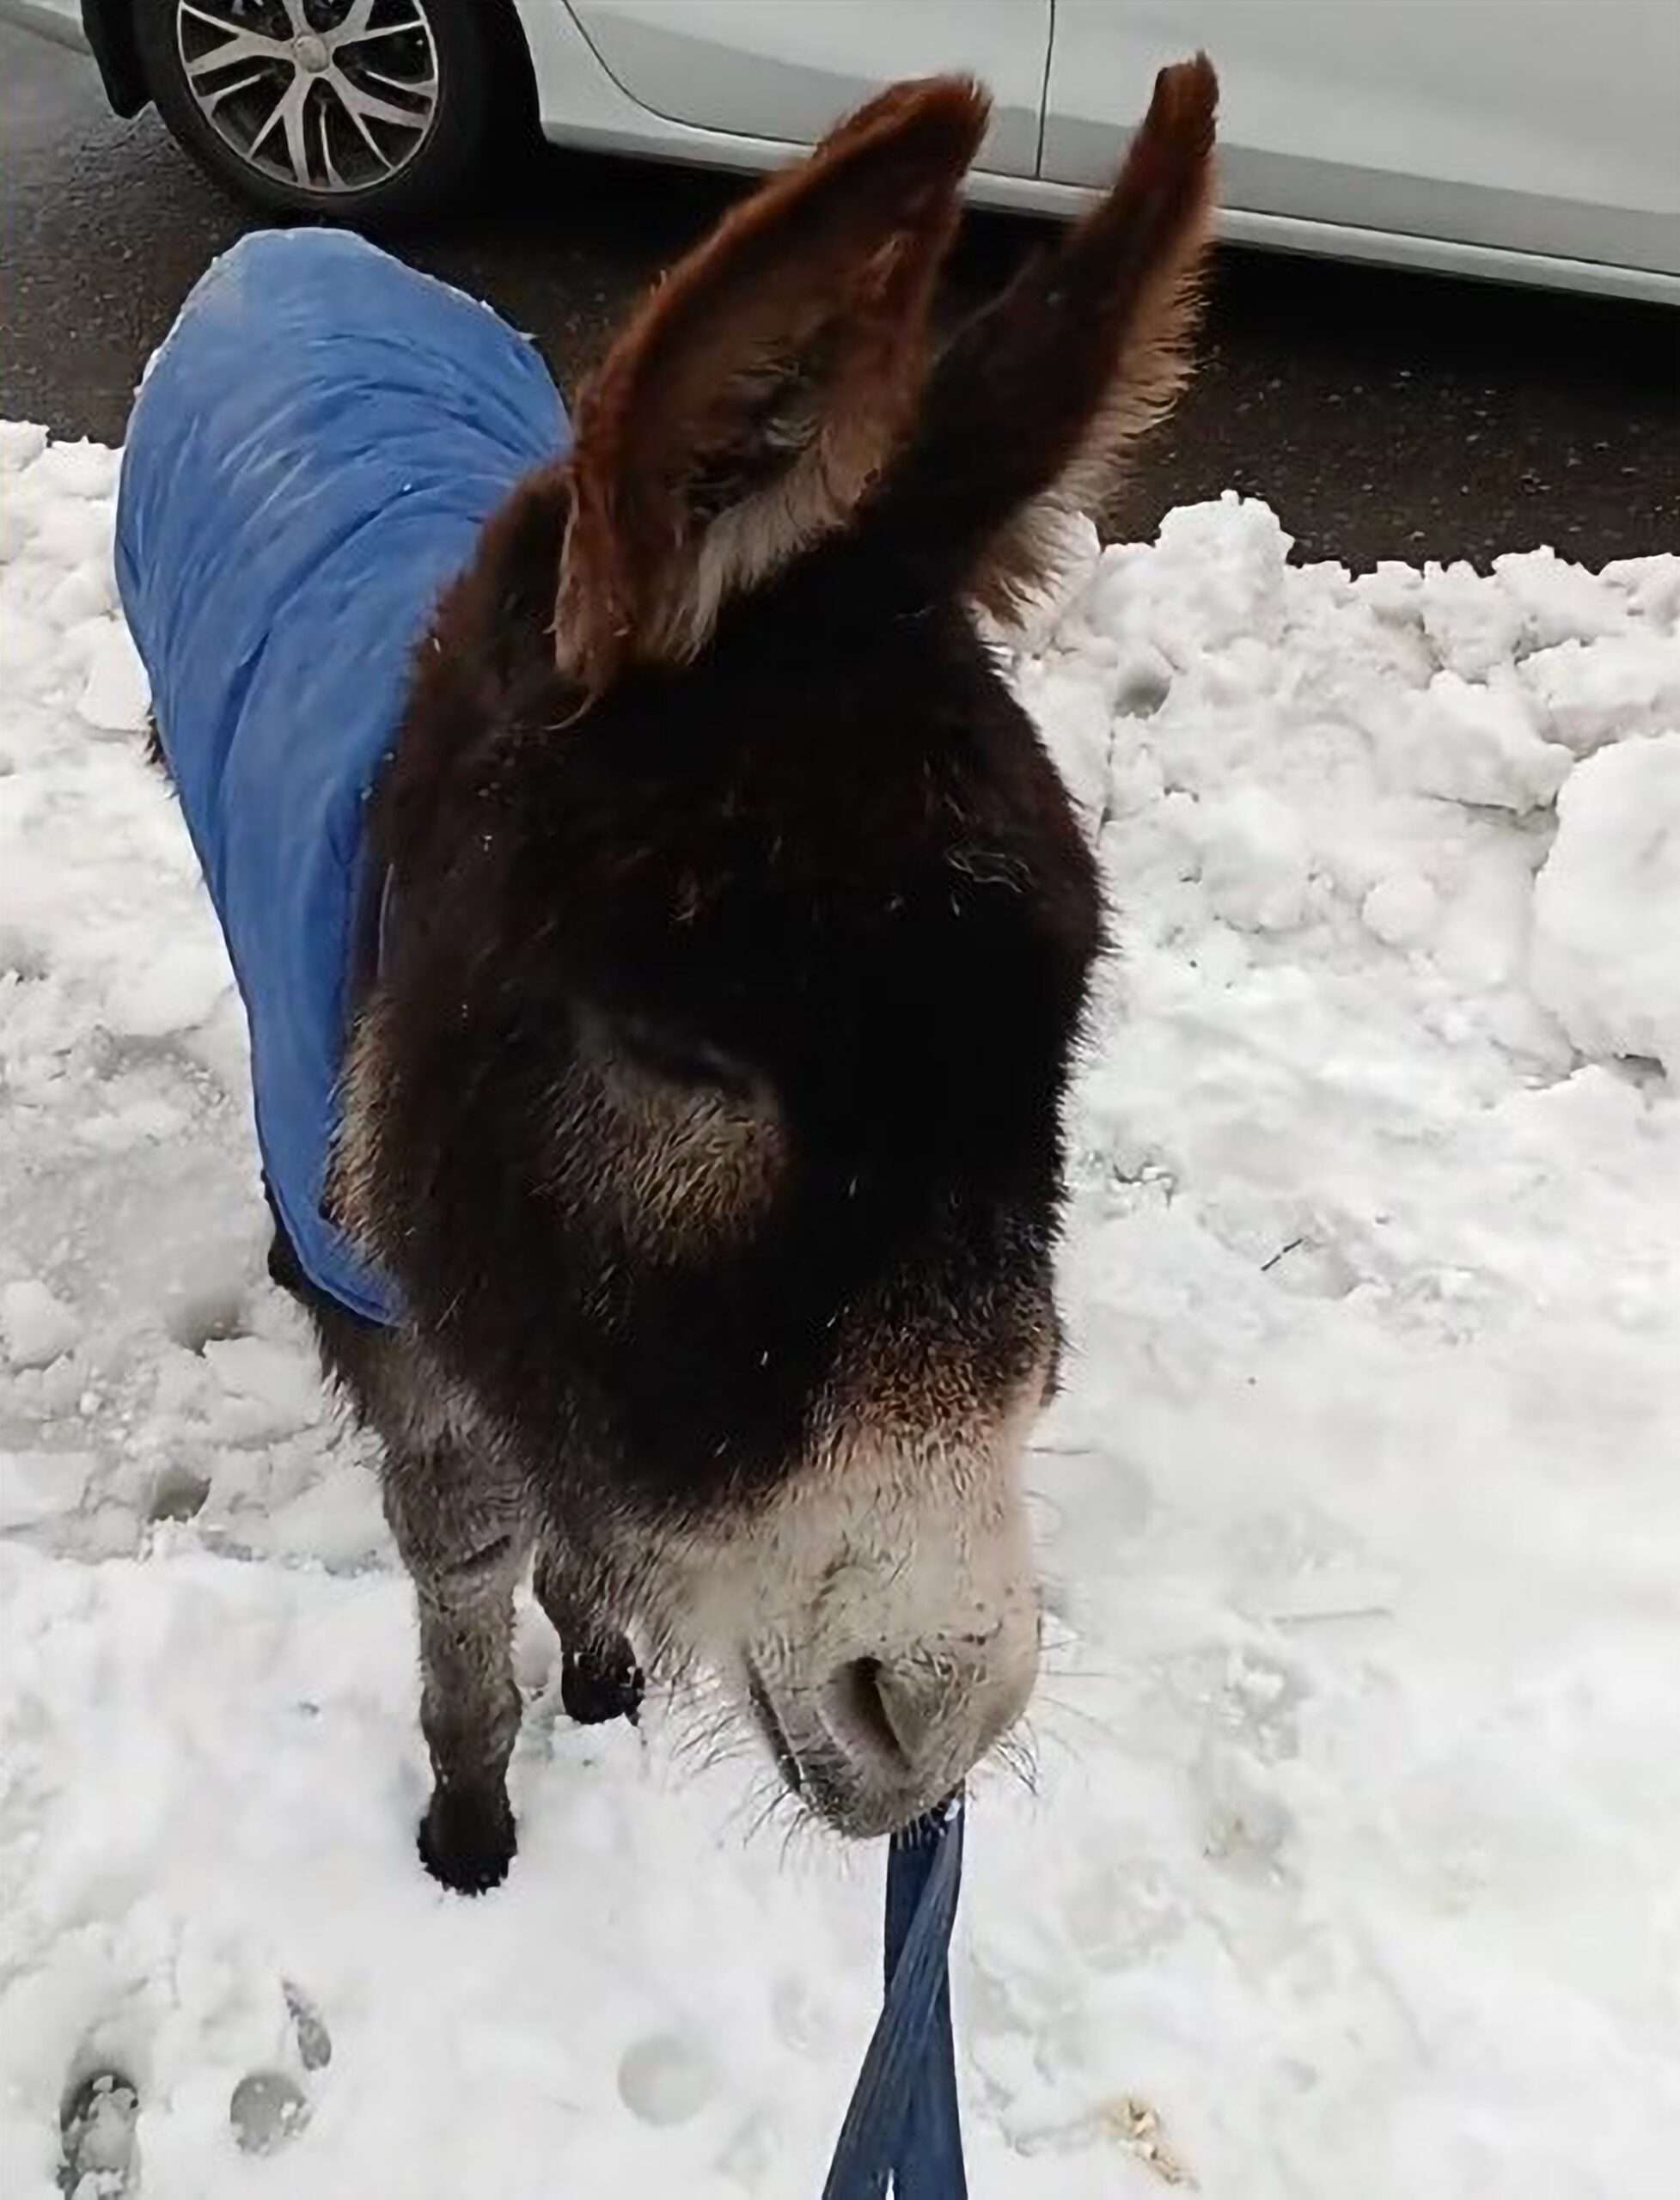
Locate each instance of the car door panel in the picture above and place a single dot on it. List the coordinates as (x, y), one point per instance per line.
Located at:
(1530, 125)
(786, 69)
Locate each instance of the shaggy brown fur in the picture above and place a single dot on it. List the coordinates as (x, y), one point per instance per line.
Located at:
(706, 1109)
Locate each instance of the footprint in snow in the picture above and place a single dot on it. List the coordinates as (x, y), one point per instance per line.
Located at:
(666, 2078)
(99, 2160)
(268, 2109)
(315, 2041)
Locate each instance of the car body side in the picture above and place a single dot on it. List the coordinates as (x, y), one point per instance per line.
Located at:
(1478, 148)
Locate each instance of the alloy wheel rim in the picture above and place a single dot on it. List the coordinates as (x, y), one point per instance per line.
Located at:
(328, 96)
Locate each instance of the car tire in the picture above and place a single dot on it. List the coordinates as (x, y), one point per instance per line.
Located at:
(251, 97)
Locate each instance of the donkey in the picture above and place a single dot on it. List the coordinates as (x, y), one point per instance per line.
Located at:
(730, 933)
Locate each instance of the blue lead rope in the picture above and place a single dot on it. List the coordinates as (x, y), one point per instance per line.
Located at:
(902, 2124)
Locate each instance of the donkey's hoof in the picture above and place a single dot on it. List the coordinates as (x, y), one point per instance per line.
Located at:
(467, 1840)
(603, 1682)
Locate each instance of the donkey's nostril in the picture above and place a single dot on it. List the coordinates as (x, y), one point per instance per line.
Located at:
(884, 1737)
(873, 1712)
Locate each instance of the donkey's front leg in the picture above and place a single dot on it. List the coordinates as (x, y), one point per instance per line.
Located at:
(465, 1547)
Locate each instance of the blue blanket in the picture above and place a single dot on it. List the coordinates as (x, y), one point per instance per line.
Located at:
(309, 462)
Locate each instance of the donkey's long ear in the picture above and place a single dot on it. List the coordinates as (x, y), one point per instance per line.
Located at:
(1030, 410)
(757, 393)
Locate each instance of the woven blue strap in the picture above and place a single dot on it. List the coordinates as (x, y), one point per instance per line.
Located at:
(902, 2123)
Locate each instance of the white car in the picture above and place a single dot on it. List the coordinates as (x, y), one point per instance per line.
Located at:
(1533, 140)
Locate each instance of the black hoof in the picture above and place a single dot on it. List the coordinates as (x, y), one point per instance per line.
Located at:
(467, 1839)
(600, 1683)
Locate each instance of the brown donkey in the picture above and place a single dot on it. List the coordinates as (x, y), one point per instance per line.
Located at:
(703, 1104)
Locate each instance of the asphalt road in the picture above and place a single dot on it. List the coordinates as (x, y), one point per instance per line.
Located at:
(1382, 415)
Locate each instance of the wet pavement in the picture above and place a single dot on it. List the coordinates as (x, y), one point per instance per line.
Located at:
(1382, 415)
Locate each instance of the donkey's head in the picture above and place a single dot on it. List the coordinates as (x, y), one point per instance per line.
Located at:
(709, 1114)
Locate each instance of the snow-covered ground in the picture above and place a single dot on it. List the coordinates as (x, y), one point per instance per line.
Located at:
(1353, 1871)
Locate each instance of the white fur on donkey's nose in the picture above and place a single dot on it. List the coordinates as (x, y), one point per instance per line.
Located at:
(878, 1616)
(918, 1652)
(920, 1718)
(879, 1693)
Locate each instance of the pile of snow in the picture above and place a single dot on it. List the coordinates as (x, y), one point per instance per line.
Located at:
(1353, 1868)
(1605, 957)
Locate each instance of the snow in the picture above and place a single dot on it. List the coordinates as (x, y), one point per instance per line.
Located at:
(1354, 1864)
(35, 1328)
(1475, 741)
(1605, 902)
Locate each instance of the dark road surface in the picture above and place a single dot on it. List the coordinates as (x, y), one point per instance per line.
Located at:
(1381, 415)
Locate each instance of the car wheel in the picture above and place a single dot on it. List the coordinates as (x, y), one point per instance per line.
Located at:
(362, 111)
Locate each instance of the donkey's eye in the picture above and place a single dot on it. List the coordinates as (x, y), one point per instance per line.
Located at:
(682, 1058)
(680, 1143)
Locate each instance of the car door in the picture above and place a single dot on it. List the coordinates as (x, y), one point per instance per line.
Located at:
(1528, 125)
(785, 68)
